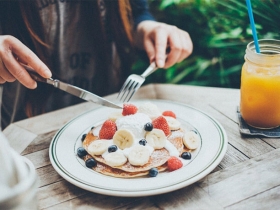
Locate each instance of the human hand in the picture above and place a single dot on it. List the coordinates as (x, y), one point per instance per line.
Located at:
(156, 37)
(12, 51)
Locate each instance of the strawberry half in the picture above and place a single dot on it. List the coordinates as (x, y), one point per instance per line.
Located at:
(161, 123)
(129, 109)
(108, 130)
(169, 114)
(174, 163)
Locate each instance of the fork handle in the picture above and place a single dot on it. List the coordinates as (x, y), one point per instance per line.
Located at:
(151, 69)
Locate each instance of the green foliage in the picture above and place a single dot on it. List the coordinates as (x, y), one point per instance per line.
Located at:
(220, 31)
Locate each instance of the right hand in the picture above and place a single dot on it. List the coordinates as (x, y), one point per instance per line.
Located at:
(155, 37)
(11, 52)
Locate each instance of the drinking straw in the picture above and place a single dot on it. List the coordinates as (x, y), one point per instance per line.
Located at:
(252, 22)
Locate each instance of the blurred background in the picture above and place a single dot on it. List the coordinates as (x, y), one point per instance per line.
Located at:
(220, 31)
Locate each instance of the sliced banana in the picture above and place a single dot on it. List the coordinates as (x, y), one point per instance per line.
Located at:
(139, 155)
(123, 138)
(156, 138)
(172, 123)
(95, 131)
(114, 116)
(98, 147)
(114, 159)
(191, 140)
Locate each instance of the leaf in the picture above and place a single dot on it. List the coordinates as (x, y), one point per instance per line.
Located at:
(220, 31)
(166, 3)
(183, 74)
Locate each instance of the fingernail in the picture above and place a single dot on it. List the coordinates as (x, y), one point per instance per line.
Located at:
(160, 63)
(34, 86)
(47, 73)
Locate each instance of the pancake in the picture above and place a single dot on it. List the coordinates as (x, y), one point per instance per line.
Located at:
(109, 171)
(158, 157)
(176, 138)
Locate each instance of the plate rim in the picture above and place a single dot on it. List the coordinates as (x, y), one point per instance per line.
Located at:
(122, 193)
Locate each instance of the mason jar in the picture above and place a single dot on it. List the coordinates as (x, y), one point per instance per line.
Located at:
(260, 85)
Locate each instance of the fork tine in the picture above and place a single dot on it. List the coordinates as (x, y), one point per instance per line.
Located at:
(124, 88)
(127, 90)
(136, 87)
(133, 83)
(132, 90)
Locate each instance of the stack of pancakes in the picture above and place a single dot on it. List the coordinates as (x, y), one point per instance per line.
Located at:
(158, 158)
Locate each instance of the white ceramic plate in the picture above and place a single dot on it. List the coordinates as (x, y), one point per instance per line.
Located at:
(211, 151)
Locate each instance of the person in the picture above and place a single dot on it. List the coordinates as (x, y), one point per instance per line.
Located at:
(89, 44)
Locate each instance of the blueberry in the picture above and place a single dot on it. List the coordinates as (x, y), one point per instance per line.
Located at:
(112, 148)
(91, 163)
(83, 137)
(81, 152)
(148, 126)
(186, 155)
(153, 172)
(143, 142)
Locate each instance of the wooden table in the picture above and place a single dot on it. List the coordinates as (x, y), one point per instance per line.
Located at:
(247, 178)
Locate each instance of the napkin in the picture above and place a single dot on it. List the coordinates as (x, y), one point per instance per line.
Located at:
(13, 169)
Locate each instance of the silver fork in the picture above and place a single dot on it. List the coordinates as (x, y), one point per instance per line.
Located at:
(134, 82)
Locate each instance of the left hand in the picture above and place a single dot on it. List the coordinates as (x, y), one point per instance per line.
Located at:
(155, 37)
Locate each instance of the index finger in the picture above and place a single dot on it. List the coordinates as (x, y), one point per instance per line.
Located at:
(160, 46)
(29, 57)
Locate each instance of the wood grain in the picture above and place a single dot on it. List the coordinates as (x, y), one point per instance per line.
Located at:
(257, 175)
(18, 137)
(246, 178)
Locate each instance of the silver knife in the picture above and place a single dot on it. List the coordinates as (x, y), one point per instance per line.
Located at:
(76, 91)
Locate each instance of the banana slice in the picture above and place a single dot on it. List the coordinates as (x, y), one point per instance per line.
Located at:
(115, 159)
(123, 138)
(156, 138)
(172, 123)
(114, 116)
(98, 147)
(191, 140)
(139, 155)
(95, 131)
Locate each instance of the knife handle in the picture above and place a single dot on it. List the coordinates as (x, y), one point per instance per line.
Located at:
(37, 77)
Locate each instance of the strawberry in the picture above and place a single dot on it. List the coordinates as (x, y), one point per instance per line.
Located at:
(108, 130)
(174, 163)
(169, 114)
(161, 123)
(129, 109)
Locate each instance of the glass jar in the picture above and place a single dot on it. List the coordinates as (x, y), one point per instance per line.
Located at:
(260, 85)
(24, 195)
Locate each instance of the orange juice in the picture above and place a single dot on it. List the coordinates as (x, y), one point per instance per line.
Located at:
(260, 85)
(260, 97)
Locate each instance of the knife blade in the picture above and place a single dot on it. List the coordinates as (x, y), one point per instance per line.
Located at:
(76, 91)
